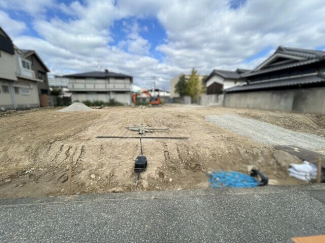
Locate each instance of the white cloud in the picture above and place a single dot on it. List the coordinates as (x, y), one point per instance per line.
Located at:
(204, 34)
(12, 27)
(32, 7)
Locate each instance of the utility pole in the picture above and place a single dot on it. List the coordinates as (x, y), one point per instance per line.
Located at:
(154, 85)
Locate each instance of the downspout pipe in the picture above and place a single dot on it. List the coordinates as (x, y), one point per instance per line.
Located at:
(13, 95)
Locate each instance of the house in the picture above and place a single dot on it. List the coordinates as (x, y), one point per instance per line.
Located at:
(100, 86)
(58, 82)
(18, 76)
(174, 81)
(40, 72)
(291, 79)
(218, 80)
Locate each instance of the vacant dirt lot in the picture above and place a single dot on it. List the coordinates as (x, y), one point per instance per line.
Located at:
(37, 146)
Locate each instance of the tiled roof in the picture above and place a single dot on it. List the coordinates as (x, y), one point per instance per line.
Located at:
(227, 74)
(278, 83)
(98, 74)
(310, 56)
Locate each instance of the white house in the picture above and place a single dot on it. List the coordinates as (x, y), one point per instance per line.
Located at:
(218, 80)
(100, 86)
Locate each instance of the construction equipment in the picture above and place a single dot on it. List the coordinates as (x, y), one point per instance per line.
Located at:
(153, 100)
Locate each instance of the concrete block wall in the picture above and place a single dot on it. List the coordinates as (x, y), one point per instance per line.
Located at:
(206, 100)
(309, 100)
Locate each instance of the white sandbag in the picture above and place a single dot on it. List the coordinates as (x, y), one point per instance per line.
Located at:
(293, 171)
(305, 167)
(305, 172)
(299, 177)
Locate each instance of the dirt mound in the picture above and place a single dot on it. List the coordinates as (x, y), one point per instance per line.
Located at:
(76, 107)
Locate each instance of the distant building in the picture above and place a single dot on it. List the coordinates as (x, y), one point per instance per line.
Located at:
(291, 79)
(174, 81)
(218, 80)
(100, 86)
(59, 82)
(23, 77)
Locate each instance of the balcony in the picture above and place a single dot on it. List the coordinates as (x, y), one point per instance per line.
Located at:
(107, 86)
(25, 68)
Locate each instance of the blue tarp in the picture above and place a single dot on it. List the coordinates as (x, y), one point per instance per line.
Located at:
(220, 179)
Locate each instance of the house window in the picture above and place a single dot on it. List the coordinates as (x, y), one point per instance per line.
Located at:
(42, 75)
(16, 90)
(5, 89)
(25, 64)
(24, 91)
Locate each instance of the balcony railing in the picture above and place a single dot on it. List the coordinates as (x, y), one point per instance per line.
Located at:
(27, 73)
(107, 86)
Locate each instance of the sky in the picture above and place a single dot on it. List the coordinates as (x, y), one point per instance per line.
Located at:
(155, 40)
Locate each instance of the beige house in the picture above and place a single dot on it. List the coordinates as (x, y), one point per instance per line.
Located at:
(174, 81)
(18, 82)
(100, 86)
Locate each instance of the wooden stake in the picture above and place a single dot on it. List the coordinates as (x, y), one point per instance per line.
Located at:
(319, 169)
(70, 174)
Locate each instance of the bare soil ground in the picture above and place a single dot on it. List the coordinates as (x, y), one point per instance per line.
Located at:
(37, 146)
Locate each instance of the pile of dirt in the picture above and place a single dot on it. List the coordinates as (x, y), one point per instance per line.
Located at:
(76, 107)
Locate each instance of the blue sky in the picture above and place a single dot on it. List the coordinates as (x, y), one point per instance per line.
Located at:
(161, 39)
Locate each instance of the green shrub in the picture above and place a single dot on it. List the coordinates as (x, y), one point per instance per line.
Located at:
(142, 103)
(114, 103)
(87, 102)
(102, 103)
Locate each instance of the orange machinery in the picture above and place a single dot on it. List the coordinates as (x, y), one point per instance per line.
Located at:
(153, 100)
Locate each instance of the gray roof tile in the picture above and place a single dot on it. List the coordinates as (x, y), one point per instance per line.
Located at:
(98, 74)
(311, 56)
(275, 84)
(227, 74)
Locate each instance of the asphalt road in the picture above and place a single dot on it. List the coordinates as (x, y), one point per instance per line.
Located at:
(270, 214)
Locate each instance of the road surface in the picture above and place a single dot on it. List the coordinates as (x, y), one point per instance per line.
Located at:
(270, 214)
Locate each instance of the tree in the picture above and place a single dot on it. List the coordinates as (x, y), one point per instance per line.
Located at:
(56, 91)
(181, 86)
(203, 87)
(194, 86)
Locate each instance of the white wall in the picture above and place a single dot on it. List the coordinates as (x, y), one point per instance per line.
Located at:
(227, 83)
(26, 100)
(231, 83)
(22, 100)
(215, 79)
(5, 98)
(124, 98)
(173, 82)
(7, 66)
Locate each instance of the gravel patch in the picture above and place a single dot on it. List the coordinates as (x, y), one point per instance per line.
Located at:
(76, 107)
(266, 133)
